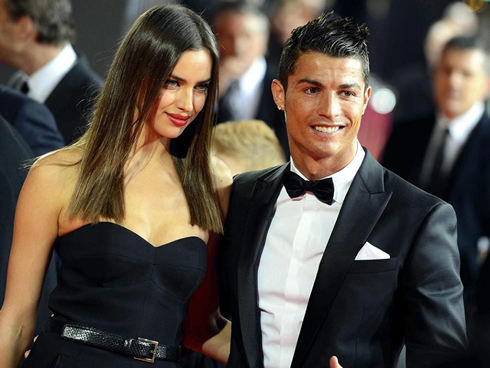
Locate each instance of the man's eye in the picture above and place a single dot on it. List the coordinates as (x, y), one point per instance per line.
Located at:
(311, 90)
(348, 94)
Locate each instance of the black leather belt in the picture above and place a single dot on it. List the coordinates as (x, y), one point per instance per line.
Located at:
(137, 348)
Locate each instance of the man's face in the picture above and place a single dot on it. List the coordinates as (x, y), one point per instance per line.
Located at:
(460, 81)
(240, 36)
(323, 104)
(7, 32)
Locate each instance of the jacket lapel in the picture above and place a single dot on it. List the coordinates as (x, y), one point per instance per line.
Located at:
(363, 205)
(259, 215)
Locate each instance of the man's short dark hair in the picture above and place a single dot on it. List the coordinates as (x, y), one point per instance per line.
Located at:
(336, 37)
(465, 43)
(52, 18)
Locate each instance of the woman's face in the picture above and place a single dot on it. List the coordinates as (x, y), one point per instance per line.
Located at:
(183, 95)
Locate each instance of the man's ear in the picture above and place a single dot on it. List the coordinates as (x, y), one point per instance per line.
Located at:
(278, 93)
(25, 29)
(367, 95)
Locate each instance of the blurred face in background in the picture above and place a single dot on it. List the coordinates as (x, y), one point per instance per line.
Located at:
(242, 36)
(460, 80)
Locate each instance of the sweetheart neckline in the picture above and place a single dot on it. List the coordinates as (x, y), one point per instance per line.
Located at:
(134, 233)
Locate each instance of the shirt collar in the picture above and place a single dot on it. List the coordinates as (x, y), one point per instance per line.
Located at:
(341, 179)
(461, 126)
(44, 81)
(254, 75)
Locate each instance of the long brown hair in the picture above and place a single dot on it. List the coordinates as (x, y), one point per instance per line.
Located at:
(140, 68)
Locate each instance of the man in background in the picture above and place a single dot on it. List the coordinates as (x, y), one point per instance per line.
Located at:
(35, 37)
(245, 75)
(448, 152)
(32, 120)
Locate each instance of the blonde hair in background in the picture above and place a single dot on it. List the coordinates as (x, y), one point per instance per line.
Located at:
(252, 144)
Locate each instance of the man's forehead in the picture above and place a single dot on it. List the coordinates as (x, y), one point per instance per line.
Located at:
(320, 65)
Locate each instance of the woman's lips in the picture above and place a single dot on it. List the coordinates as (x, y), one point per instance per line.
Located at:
(177, 119)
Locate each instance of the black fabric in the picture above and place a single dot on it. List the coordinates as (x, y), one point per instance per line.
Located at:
(24, 88)
(296, 186)
(467, 186)
(72, 99)
(129, 346)
(362, 311)
(34, 121)
(437, 181)
(113, 280)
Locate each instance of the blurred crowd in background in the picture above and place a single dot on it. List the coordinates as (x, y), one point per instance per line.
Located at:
(407, 40)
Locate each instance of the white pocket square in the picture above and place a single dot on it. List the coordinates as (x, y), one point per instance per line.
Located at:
(370, 252)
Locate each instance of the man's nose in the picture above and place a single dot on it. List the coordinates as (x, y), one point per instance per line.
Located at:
(329, 106)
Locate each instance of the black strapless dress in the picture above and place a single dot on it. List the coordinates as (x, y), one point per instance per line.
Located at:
(115, 281)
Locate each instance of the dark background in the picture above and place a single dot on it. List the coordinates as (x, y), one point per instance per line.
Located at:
(398, 29)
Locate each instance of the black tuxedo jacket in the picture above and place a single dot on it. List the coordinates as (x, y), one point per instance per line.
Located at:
(267, 110)
(468, 188)
(32, 120)
(72, 99)
(14, 152)
(361, 311)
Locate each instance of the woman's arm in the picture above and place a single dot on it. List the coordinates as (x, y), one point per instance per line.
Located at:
(206, 330)
(35, 230)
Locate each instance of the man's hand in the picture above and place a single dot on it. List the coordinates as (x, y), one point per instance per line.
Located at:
(334, 362)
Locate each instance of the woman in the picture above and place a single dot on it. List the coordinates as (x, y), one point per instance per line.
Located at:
(129, 209)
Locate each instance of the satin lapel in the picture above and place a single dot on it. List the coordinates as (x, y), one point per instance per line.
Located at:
(363, 205)
(259, 215)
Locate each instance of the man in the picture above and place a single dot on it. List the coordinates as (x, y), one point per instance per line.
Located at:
(32, 120)
(14, 153)
(455, 168)
(35, 37)
(245, 76)
(369, 265)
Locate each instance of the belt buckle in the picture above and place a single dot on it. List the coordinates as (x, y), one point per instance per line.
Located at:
(153, 352)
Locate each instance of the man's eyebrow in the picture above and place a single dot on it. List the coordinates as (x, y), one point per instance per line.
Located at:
(173, 76)
(310, 81)
(350, 85)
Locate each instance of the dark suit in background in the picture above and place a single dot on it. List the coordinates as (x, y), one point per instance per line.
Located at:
(267, 110)
(467, 188)
(13, 155)
(360, 311)
(32, 120)
(72, 99)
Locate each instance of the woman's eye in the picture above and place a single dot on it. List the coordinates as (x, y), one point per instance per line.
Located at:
(171, 83)
(202, 88)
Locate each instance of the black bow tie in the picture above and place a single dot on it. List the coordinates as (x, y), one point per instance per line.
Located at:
(296, 186)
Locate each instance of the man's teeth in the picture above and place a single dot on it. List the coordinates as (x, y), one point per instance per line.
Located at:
(324, 129)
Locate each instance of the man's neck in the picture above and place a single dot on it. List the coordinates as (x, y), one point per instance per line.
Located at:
(319, 168)
(38, 56)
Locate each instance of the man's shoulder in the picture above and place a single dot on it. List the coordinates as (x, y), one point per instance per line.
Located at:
(81, 76)
(408, 196)
(249, 177)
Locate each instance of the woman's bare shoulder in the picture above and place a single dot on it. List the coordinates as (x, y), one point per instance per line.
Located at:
(55, 170)
(65, 157)
(223, 181)
(221, 172)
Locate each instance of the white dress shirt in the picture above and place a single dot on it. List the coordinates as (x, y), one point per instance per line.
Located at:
(44, 81)
(297, 238)
(249, 90)
(460, 129)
